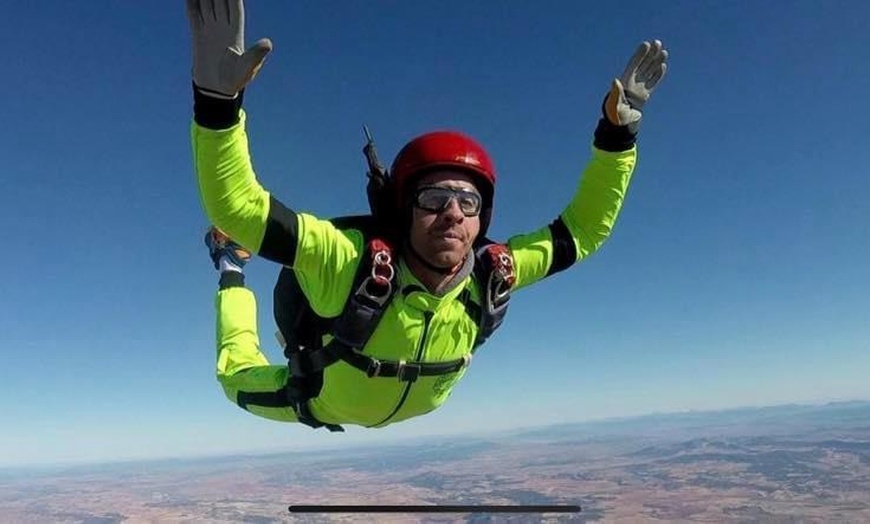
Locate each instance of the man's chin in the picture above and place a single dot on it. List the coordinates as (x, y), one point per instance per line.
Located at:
(447, 245)
(446, 259)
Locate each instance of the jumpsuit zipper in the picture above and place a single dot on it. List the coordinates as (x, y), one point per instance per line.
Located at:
(427, 317)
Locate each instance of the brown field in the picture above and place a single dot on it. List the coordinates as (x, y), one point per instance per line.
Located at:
(811, 470)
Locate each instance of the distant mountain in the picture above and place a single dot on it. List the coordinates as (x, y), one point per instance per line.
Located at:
(790, 419)
(836, 421)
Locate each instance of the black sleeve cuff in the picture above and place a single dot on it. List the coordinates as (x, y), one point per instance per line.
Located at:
(609, 137)
(613, 138)
(232, 279)
(216, 113)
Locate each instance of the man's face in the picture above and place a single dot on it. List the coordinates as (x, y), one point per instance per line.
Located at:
(444, 237)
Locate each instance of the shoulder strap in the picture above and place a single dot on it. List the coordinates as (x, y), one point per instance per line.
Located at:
(298, 325)
(494, 270)
(301, 331)
(372, 290)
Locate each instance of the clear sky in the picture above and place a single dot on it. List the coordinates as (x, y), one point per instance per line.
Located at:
(737, 273)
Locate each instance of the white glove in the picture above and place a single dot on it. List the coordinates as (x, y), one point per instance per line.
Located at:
(221, 66)
(628, 94)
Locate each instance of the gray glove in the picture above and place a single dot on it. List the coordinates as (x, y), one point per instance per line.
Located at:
(628, 94)
(221, 66)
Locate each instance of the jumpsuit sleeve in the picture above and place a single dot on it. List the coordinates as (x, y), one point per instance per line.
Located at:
(323, 257)
(588, 219)
(233, 199)
(242, 369)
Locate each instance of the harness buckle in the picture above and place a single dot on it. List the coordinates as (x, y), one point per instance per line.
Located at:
(498, 290)
(374, 368)
(378, 285)
(407, 372)
(369, 289)
(382, 267)
(502, 277)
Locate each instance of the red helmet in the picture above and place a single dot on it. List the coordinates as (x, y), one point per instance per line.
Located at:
(443, 149)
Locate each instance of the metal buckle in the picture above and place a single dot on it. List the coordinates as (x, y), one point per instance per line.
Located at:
(498, 289)
(383, 262)
(363, 290)
(407, 372)
(378, 285)
(374, 368)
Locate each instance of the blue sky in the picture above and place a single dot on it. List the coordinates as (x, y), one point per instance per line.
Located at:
(737, 274)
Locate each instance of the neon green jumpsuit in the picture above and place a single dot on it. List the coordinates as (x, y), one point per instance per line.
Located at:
(417, 326)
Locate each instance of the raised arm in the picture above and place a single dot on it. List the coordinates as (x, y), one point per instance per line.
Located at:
(590, 216)
(233, 199)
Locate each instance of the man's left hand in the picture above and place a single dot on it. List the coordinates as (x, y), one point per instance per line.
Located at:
(628, 94)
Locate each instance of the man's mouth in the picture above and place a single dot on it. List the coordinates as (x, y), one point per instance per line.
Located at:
(449, 235)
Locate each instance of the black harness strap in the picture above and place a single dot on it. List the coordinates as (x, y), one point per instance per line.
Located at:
(373, 288)
(266, 399)
(403, 370)
(283, 398)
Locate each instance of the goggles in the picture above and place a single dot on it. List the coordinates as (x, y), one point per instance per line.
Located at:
(436, 199)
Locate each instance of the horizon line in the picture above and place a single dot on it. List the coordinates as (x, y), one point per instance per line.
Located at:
(407, 439)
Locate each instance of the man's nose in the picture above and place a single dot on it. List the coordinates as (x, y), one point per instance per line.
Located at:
(452, 209)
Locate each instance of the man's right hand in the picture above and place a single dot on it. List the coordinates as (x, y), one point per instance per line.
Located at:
(221, 66)
(225, 254)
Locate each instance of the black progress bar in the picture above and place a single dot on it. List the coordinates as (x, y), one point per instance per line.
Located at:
(312, 508)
